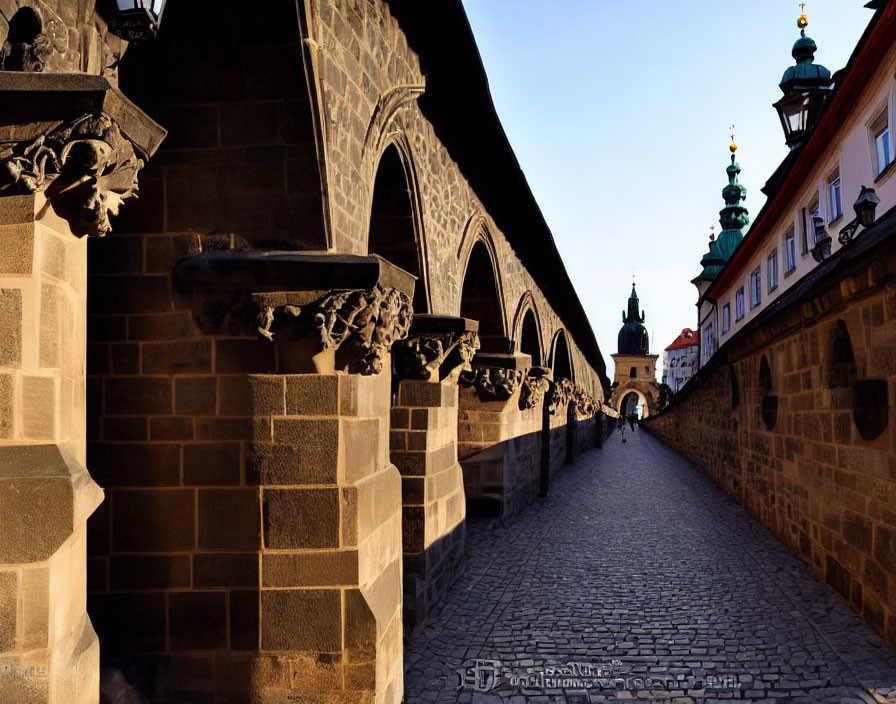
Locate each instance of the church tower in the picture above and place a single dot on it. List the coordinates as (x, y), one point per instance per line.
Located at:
(634, 386)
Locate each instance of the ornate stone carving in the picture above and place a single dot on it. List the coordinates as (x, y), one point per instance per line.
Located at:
(428, 355)
(560, 395)
(585, 404)
(565, 393)
(535, 387)
(86, 167)
(361, 325)
(492, 384)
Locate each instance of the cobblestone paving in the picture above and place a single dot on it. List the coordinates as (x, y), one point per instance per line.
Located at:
(640, 568)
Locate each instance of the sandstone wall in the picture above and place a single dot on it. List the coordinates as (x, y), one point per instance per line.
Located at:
(787, 444)
(363, 69)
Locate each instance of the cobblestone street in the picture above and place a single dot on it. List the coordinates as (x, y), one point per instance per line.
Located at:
(638, 566)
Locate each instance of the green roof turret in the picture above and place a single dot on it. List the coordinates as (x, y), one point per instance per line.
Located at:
(733, 218)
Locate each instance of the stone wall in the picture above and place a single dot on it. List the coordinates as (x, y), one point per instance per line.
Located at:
(367, 99)
(796, 421)
(256, 524)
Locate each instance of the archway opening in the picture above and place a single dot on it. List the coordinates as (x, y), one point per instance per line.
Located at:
(561, 362)
(392, 228)
(480, 299)
(633, 403)
(530, 339)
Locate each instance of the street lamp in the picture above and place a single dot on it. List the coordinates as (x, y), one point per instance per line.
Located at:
(866, 212)
(799, 111)
(805, 87)
(138, 20)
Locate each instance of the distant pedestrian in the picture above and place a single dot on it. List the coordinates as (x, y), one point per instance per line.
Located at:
(632, 419)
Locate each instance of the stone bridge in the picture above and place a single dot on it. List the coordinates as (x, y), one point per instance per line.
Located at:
(333, 323)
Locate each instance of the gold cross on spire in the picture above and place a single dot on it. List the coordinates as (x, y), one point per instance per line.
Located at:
(803, 21)
(733, 146)
(633, 277)
(802, 8)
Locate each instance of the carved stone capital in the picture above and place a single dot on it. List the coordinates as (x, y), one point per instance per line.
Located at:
(428, 356)
(536, 386)
(86, 167)
(436, 346)
(491, 383)
(361, 326)
(561, 393)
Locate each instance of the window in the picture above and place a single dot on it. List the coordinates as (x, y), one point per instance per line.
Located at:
(773, 270)
(835, 207)
(756, 288)
(726, 318)
(739, 303)
(633, 373)
(790, 250)
(880, 135)
(709, 340)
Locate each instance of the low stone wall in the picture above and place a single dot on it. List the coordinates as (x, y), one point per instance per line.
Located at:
(795, 420)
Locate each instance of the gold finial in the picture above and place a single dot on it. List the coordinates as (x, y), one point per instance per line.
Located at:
(803, 21)
(712, 232)
(733, 146)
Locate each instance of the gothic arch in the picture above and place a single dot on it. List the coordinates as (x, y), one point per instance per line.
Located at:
(395, 227)
(561, 359)
(481, 296)
(481, 278)
(527, 329)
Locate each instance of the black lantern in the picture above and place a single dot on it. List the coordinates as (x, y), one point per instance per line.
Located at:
(805, 87)
(866, 212)
(799, 112)
(823, 241)
(138, 20)
(866, 207)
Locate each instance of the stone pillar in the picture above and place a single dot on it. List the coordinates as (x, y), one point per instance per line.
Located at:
(260, 540)
(423, 445)
(499, 435)
(66, 169)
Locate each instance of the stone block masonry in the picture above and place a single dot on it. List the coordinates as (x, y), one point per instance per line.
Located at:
(796, 421)
(48, 647)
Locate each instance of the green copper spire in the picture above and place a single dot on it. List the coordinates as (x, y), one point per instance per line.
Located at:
(733, 218)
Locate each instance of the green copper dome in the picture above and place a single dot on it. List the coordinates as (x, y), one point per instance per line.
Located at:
(633, 337)
(806, 73)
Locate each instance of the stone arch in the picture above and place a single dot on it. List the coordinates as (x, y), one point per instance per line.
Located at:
(481, 295)
(561, 359)
(527, 329)
(624, 394)
(395, 229)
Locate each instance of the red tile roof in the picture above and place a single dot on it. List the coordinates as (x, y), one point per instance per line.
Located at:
(688, 338)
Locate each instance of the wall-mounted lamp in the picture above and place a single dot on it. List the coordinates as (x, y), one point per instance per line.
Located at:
(866, 213)
(823, 241)
(138, 20)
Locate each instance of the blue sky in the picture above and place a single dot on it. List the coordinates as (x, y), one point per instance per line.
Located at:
(618, 113)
